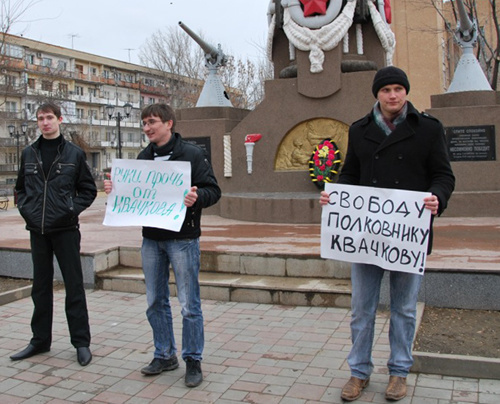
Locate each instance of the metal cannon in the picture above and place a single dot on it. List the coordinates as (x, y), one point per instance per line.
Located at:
(213, 56)
(469, 76)
(213, 93)
(466, 28)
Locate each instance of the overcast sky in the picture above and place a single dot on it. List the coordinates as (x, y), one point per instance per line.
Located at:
(117, 29)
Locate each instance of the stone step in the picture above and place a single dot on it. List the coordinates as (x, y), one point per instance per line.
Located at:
(258, 264)
(260, 289)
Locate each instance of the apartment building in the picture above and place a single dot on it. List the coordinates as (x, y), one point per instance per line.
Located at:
(88, 88)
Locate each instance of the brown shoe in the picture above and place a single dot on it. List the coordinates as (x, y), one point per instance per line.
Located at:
(353, 388)
(396, 389)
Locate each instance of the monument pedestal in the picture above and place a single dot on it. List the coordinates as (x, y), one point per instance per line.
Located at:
(472, 121)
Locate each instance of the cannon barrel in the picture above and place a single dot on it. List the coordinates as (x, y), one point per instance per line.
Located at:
(207, 48)
(466, 26)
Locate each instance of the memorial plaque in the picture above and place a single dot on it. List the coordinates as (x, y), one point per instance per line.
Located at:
(471, 143)
(203, 142)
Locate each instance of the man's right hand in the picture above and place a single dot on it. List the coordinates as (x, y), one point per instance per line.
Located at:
(324, 198)
(108, 186)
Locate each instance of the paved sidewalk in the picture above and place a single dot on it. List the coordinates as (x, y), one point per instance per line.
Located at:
(253, 354)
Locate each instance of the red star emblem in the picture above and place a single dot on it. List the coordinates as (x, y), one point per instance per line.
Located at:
(314, 7)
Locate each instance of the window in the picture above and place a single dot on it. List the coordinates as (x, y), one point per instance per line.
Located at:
(12, 51)
(92, 91)
(93, 71)
(31, 59)
(130, 98)
(105, 74)
(47, 62)
(118, 76)
(62, 65)
(63, 88)
(30, 107)
(149, 82)
(10, 80)
(46, 85)
(79, 113)
(10, 106)
(78, 90)
(93, 113)
(79, 68)
(151, 100)
(31, 83)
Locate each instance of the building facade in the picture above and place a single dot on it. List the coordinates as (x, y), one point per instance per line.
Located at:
(85, 86)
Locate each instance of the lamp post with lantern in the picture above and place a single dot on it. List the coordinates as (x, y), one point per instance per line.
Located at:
(119, 117)
(14, 133)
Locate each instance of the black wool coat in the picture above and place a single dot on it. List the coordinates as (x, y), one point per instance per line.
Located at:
(413, 157)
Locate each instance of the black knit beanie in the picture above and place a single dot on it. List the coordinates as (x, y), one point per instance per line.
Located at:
(389, 75)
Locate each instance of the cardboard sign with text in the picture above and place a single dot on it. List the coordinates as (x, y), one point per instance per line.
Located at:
(386, 227)
(148, 193)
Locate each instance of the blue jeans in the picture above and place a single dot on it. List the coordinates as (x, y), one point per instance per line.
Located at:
(184, 256)
(404, 287)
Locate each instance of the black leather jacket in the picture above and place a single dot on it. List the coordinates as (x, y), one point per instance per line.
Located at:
(53, 203)
(202, 176)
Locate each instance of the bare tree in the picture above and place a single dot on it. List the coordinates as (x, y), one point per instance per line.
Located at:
(485, 13)
(11, 12)
(173, 51)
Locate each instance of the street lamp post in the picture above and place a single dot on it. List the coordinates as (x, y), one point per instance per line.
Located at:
(119, 117)
(14, 133)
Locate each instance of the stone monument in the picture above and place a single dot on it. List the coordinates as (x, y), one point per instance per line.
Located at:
(325, 54)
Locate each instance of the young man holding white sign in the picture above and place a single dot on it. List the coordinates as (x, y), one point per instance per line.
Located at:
(162, 248)
(394, 146)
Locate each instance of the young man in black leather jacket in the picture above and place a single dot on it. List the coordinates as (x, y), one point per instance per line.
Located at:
(54, 186)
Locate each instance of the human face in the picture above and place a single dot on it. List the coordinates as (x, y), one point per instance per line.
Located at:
(392, 98)
(158, 132)
(48, 123)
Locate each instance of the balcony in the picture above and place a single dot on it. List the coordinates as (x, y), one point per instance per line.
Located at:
(8, 168)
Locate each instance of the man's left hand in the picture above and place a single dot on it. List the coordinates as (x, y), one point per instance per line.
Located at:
(432, 203)
(191, 197)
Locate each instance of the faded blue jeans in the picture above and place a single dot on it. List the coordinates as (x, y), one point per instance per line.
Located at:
(184, 256)
(366, 280)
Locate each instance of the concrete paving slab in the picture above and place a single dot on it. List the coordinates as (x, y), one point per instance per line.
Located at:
(256, 353)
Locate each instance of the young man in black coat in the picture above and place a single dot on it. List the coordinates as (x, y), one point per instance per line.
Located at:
(162, 248)
(394, 146)
(54, 186)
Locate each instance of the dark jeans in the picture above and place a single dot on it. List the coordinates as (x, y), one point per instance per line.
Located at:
(65, 245)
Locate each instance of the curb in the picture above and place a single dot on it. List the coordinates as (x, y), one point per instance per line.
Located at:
(15, 294)
(476, 367)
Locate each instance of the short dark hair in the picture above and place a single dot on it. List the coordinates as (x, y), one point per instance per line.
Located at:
(49, 106)
(163, 111)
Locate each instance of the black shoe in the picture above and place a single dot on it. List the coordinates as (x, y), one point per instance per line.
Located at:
(28, 352)
(158, 365)
(83, 355)
(194, 376)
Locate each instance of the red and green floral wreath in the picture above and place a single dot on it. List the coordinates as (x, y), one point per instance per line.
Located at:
(324, 163)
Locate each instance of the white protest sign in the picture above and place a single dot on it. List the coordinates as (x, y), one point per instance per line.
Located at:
(385, 227)
(148, 193)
